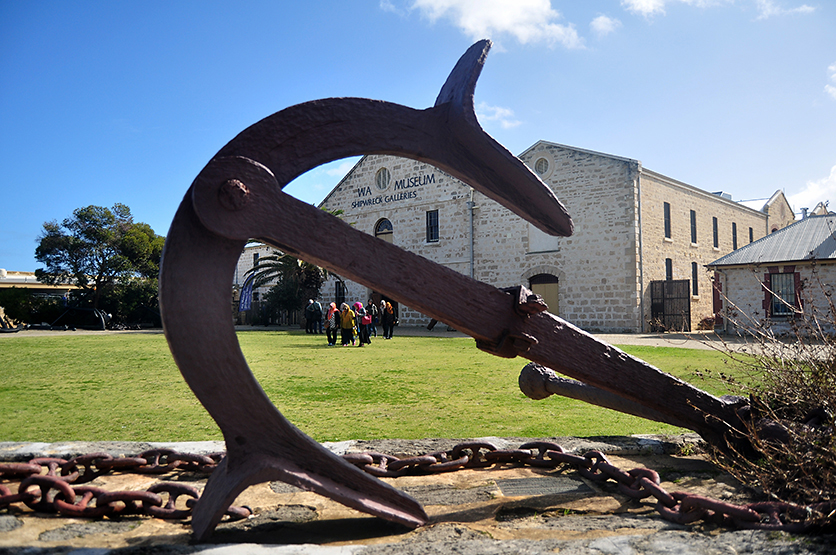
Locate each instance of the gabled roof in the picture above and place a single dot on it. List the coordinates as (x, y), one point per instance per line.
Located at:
(809, 239)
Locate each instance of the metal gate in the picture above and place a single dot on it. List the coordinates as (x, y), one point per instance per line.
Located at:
(670, 305)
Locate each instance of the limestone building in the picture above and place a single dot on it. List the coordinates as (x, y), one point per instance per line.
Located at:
(633, 228)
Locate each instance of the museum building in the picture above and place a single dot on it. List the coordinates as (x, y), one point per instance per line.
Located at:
(636, 233)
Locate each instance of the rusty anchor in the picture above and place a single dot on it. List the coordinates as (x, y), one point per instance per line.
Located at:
(238, 196)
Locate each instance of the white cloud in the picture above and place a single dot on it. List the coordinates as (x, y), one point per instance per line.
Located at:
(830, 89)
(814, 192)
(343, 168)
(768, 8)
(603, 25)
(646, 8)
(528, 21)
(504, 116)
(388, 6)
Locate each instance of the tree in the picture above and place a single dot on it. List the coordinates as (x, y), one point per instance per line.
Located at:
(295, 280)
(96, 248)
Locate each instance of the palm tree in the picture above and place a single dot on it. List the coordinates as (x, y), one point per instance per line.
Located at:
(294, 281)
(273, 267)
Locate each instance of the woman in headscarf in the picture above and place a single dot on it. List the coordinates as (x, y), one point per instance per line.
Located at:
(363, 321)
(388, 318)
(332, 324)
(346, 324)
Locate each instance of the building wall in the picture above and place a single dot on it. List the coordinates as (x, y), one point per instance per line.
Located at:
(413, 189)
(598, 264)
(656, 191)
(780, 212)
(743, 296)
(247, 261)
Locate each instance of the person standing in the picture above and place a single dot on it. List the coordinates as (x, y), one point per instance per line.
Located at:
(374, 312)
(309, 316)
(388, 318)
(346, 324)
(317, 314)
(332, 324)
(363, 322)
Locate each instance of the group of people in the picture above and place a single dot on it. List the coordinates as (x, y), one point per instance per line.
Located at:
(358, 324)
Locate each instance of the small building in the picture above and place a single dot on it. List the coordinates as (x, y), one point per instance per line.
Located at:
(636, 260)
(27, 280)
(784, 278)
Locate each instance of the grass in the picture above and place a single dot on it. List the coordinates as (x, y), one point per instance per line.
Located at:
(126, 387)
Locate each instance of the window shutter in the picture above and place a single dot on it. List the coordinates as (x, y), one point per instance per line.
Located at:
(767, 295)
(799, 302)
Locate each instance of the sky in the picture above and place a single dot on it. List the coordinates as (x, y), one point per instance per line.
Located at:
(125, 102)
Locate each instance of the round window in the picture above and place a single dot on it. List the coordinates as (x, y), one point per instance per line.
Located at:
(381, 179)
(541, 166)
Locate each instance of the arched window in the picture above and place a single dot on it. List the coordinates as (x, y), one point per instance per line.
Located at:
(546, 285)
(382, 178)
(383, 230)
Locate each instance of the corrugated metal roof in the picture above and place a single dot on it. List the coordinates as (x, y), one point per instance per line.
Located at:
(809, 239)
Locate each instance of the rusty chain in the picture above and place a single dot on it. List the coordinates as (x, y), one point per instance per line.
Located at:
(51, 492)
(638, 483)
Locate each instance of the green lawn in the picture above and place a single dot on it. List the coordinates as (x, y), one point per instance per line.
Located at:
(126, 387)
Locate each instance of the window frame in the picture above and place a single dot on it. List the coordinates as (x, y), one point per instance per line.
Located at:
(433, 226)
(666, 208)
(693, 227)
(783, 294)
(715, 231)
(386, 224)
(783, 303)
(695, 285)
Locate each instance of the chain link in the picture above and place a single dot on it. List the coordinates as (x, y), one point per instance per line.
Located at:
(51, 491)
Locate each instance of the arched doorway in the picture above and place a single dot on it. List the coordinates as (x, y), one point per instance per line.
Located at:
(547, 286)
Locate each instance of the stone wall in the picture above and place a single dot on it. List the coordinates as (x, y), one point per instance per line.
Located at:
(599, 286)
(655, 191)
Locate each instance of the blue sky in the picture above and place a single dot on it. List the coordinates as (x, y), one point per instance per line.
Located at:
(106, 102)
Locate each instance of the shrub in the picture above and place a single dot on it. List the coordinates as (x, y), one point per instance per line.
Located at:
(789, 420)
(22, 306)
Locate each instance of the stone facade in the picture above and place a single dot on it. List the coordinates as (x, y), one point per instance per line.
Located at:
(248, 259)
(598, 279)
(736, 226)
